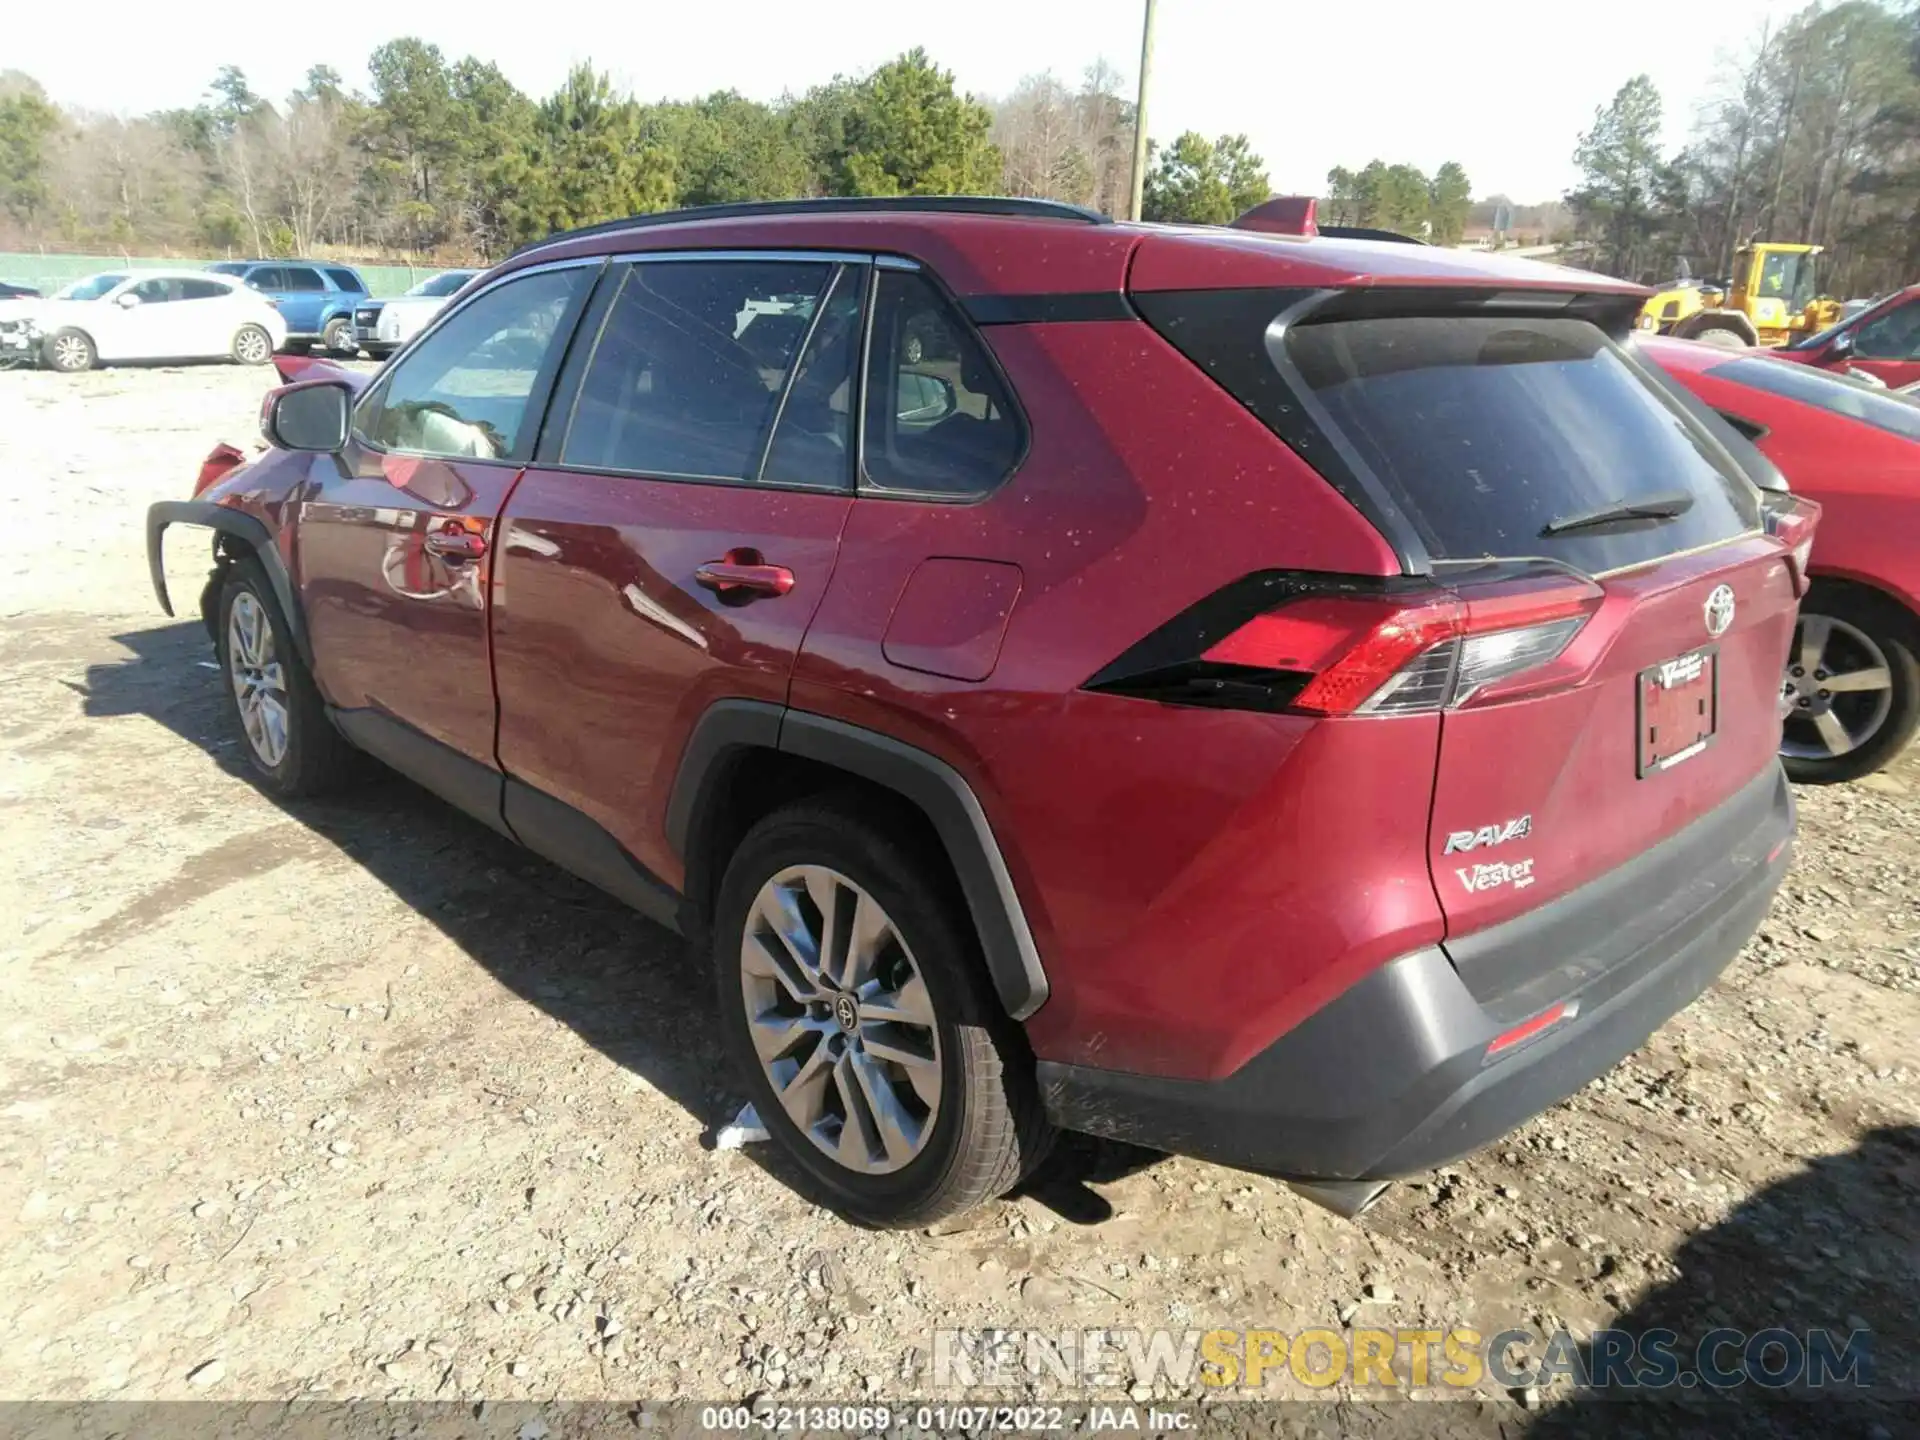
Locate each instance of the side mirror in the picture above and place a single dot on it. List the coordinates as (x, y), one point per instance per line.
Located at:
(128, 300)
(311, 416)
(925, 399)
(1841, 346)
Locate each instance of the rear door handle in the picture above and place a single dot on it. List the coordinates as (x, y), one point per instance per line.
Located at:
(743, 574)
(456, 544)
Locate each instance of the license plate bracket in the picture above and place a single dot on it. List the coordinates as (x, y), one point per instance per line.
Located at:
(1676, 709)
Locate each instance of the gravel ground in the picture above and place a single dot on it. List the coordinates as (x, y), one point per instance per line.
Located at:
(354, 1099)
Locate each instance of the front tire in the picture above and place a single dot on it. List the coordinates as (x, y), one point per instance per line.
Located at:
(1853, 683)
(337, 337)
(855, 1002)
(69, 352)
(252, 345)
(289, 742)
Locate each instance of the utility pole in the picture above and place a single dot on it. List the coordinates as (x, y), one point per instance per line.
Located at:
(1140, 115)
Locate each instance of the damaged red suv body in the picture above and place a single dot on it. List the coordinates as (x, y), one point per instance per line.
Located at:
(1304, 702)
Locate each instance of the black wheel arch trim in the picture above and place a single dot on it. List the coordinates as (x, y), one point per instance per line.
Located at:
(244, 528)
(731, 727)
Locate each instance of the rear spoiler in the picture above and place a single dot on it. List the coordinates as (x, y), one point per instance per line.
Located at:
(1294, 215)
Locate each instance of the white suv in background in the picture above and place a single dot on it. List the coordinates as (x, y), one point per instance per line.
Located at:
(382, 326)
(143, 315)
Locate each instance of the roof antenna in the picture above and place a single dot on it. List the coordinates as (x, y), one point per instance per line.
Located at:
(1282, 215)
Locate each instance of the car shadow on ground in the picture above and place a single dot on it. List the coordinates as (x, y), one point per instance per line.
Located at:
(1834, 1248)
(631, 989)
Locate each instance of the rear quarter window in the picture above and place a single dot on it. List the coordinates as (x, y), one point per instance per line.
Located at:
(1837, 394)
(347, 280)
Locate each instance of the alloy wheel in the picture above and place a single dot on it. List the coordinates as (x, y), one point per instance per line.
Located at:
(259, 684)
(841, 1019)
(253, 346)
(1838, 689)
(69, 353)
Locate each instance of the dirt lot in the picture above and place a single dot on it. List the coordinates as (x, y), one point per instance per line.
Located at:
(353, 1099)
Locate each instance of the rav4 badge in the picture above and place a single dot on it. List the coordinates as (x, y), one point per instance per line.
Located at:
(1516, 829)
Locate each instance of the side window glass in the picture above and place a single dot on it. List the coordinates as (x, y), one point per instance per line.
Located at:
(938, 419)
(690, 365)
(300, 278)
(154, 292)
(464, 392)
(268, 277)
(204, 290)
(347, 280)
(813, 440)
(1893, 336)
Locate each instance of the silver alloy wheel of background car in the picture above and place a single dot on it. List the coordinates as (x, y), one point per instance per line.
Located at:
(1838, 689)
(259, 684)
(841, 1019)
(70, 353)
(252, 346)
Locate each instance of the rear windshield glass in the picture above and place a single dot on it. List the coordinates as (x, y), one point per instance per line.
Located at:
(1840, 394)
(1491, 433)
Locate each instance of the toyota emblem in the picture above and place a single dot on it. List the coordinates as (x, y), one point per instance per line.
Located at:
(1719, 610)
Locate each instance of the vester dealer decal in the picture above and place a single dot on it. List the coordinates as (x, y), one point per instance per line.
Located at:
(1476, 878)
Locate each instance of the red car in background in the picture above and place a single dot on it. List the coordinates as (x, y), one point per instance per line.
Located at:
(1852, 678)
(1883, 341)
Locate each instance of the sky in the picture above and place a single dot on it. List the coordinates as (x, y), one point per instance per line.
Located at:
(1502, 86)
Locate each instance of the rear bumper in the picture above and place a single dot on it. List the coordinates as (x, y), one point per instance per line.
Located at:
(1393, 1078)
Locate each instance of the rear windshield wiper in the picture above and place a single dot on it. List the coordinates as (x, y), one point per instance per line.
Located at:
(1647, 507)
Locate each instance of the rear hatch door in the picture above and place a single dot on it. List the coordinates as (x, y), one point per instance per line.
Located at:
(1509, 438)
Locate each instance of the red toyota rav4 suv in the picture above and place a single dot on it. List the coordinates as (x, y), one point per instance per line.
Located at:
(1303, 702)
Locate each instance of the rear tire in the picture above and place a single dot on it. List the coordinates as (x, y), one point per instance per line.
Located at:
(957, 1124)
(252, 345)
(337, 338)
(69, 351)
(1721, 338)
(288, 740)
(1855, 633)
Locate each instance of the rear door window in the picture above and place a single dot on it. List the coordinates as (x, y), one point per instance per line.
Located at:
(813, 442)
(688, 372)
(204, 290)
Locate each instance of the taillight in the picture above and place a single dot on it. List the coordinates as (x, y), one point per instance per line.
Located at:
(1352, 653)
(1360, 653)
(1792, 521)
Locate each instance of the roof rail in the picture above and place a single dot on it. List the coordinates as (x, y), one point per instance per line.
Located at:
(1019, 207)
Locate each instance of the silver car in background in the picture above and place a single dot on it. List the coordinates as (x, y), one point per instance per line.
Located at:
(381, 327)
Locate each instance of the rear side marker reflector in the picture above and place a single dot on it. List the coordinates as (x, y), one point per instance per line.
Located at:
(1527, 1029)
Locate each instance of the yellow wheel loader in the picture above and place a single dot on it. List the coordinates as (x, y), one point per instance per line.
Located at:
(1772, 298)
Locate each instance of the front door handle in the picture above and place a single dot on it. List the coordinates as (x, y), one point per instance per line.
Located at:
(456, 544)
(742, 574)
